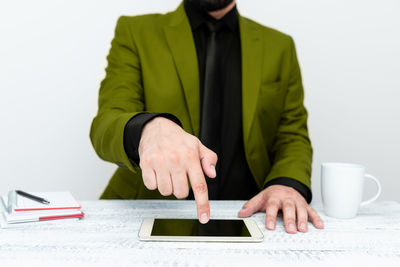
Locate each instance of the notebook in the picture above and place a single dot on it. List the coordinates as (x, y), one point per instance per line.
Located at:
(35, 217)
(58, 201)
(19, 209)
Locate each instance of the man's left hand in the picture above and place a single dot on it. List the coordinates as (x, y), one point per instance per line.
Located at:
(293, 205)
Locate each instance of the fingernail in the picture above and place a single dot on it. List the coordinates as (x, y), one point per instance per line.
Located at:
(291, 227)
(271, 225)
(214, 172)
(303, 226)
(204, 218)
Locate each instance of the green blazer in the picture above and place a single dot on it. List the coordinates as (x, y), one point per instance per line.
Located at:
(152, 67)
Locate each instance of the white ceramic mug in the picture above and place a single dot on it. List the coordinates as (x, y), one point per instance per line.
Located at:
(342, 186)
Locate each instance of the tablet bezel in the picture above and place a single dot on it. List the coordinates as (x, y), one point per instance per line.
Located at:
(255, 233)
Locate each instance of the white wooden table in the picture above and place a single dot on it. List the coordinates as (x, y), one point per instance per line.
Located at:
(108, 236)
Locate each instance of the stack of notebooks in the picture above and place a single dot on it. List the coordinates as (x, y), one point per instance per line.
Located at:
(17, 208)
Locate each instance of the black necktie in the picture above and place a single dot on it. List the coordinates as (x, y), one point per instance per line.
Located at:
(210, 134)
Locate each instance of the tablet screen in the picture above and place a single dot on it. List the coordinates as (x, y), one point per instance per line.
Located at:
(192, 227)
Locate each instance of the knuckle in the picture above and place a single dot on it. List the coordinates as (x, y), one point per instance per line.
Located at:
(274, 203)
(155, 158)
(194, 145)
(301, 205)
(302, 216)
(302, 220)
(200, 187)
(214, 155)
(289, 220)
(144, 162)
(190, 155)
(271, 213)
(270, 217)
(195, 141)
(312, 212)
(288, 204)
(316, 217)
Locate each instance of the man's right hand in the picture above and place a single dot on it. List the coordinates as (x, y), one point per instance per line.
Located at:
(169, 156)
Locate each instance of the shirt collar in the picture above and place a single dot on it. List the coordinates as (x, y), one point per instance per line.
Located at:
(198, 17)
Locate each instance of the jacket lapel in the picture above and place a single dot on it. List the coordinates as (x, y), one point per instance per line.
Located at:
(251, 72)
(180, 40)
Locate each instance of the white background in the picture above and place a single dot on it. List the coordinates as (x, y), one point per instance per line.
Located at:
(52, 59)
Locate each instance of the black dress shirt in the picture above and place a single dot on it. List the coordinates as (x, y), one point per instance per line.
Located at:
(234, 177)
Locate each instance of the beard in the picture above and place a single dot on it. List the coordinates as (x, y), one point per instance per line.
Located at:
(210, 5)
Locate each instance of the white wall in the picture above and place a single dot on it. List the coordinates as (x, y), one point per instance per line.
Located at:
(52, 59)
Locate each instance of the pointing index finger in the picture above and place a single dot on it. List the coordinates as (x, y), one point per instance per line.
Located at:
(200, 191)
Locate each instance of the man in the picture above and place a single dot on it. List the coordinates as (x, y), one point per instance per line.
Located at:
(199, 85)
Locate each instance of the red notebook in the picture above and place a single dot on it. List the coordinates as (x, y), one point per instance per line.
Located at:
(41, 216)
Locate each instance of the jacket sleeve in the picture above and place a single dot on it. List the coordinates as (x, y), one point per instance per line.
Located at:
(120, 98)
(291, 151)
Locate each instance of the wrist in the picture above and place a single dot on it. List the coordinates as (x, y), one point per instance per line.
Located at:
(153, 123)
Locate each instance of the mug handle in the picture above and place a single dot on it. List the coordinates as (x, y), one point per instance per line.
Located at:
(366, 202)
